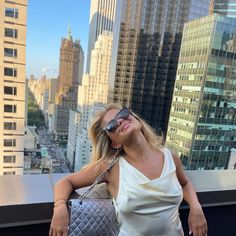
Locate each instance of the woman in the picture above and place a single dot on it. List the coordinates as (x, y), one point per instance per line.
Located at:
(147, 183)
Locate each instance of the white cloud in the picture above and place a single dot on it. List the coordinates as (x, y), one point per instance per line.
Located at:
(49, 71)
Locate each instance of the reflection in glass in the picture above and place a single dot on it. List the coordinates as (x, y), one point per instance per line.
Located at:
(203, 132)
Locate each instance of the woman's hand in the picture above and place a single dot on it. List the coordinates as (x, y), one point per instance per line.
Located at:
(197, 222)
(60, 221)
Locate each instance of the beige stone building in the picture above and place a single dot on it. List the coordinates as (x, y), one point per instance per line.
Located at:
(44, 91)
(38, 88)
(70, 76)
(102, 16)
(13, 15)
(92, 94)
(52, 92)
(94, 88)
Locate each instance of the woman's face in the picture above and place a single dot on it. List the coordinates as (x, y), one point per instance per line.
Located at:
(120, 125)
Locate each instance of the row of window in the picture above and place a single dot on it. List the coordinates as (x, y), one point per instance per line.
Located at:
(10, 52)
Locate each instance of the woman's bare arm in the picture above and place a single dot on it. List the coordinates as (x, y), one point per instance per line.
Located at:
(197, 221)
(62, 192)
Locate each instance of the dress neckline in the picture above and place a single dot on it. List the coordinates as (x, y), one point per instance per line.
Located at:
(141, 173)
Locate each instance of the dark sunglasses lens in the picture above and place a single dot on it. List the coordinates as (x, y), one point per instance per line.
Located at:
(111, 126)
(123, 114)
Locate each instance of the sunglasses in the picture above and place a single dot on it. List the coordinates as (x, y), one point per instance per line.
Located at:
(112, 125)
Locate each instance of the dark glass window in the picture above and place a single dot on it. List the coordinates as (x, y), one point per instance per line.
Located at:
(9, 173)
(12, 33)
(10, 71)
(10, 90)
(9, 159)
(9, 125)
(9, 142)
(11, 12)
(10, 108)
(10, 52)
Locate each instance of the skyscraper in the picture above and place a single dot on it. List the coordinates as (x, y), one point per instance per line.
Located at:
(95, 85)
(202, 125)
(12, 84)
(147, 38)
(70, 76)
(102, 15)
(94, 89)
(224, 7)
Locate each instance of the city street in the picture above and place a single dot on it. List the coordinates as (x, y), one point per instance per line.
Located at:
(54, 152)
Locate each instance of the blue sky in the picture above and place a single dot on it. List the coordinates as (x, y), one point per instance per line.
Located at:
(47, 23)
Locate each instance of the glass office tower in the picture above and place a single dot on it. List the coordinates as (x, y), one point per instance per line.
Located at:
(224, 7)
(202, 125)
(147, 38)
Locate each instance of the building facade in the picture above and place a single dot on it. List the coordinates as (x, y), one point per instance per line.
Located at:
(202, 125)
(43, 91)
(147, 38)
(74, 121)
(70, 76)
(51, 100)
(102, 15)
(13, 19)
(224, 7)
(83, 144)
(94, 90)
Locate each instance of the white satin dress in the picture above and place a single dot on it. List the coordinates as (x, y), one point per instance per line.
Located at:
(149, 207)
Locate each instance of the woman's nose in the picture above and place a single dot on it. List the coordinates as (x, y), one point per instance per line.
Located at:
(120, 121)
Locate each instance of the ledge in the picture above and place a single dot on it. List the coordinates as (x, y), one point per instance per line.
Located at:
(28, 200)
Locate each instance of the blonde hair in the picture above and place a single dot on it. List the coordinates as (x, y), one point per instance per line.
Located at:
(101, 144)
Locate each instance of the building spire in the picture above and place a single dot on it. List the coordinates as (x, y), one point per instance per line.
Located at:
(69, 33)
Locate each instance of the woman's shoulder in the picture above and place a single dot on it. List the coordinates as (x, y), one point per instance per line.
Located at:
(168, 152)
(174, 155)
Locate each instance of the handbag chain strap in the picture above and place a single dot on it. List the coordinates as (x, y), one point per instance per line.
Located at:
(98, 179)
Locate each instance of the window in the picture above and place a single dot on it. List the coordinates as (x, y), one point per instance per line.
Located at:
(9, 159)
(9, 173)
(10, 108)
(10, 90)
(12, 33)
(11, 12)
(10, 52)
(9, 142)
(9, 125)
(10, 71)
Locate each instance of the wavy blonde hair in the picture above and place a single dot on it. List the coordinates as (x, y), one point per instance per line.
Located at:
(101, 144)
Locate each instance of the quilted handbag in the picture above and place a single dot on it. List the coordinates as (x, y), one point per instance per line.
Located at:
(93, 217)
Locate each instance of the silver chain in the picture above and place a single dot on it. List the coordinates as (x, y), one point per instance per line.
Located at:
(98, 179)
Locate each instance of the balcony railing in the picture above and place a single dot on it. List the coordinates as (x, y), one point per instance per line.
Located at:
(26, 202)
